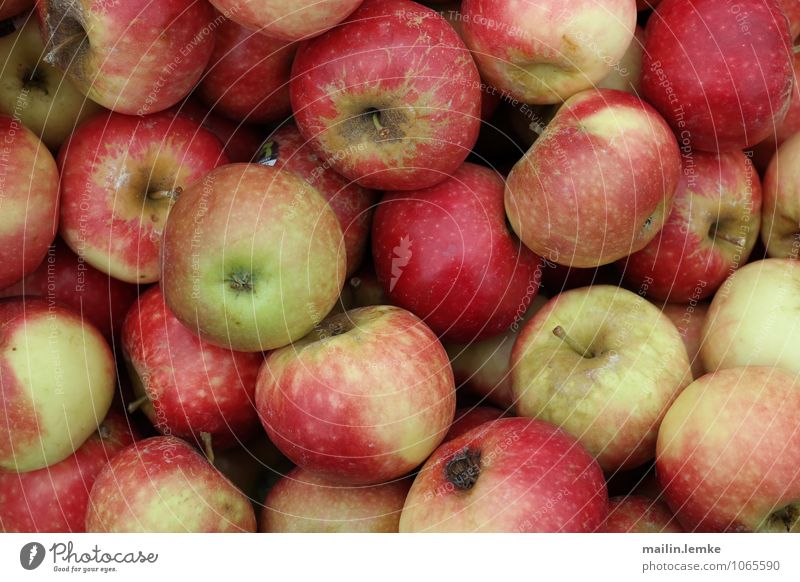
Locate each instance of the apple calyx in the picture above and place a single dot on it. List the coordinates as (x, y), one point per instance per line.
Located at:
(242, 281)
(68, 40)
(208, 447)
(137, 404)
(463, 469)
(784, 520)
(575, 346)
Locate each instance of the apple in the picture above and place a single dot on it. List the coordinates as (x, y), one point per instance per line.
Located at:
(510, 475)
(546, 51)
(247, 78)
(363, 399)
(728, 457)
(29, 199)
(251, 258)
(471, 417)
(43, 100)
(453, 241)
(188, 388)
(626, 75)
(753, 319)
(120, 175)
(764, 151)
(792, 10)
(353, 205)
(724, 89)
(391, 98)
(604, 364)
(689, 320)
(598, 184)
(638, 514)
(57, 383)
(780, 225)
(303, 502)
(65, 278)
(9, 8)
(711, 231)
(288, 20)
(133, 57)
(163, 485)
(54, 499)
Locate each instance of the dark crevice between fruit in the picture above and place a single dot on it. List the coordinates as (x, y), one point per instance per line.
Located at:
(378, 124)
(35, 80)
(648, 225)
(68, 39)
(463, 470)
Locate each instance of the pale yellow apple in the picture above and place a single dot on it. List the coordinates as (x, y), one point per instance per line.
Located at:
(626, 74)
(780, 218)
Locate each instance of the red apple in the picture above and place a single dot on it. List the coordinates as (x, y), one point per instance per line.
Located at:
(191, 388)
(637, 514)
(391, 98)
(713, 227)
(120, 176)
(54, 499)
(29, 198)
(248, 75)
(729, 452)
(510, 475)
(303, 502)
(162, 485)
(363, 399)
(133, 57)
(471, 417)
(689, 320)
(764, 151)
(453, 241)
(9, 8)
(727, 87)
(598, 184)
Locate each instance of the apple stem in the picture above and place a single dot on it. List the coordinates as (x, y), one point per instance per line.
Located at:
(561, 334)
(166, 194)
(208, 448)
(376, 120)
(738, 241)
(137, 404)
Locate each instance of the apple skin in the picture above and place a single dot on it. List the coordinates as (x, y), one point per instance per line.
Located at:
(54, 499)
(689, 320)
(353, 205)
(471, 417)
(739, 94)
(780, 225)
(355, 423)
(192, 387)
(9, 8)
(453, 241)
(65, 278)
(247, 78)
(163, 485)
(511, 475)
(57, 383)
(613, 400)
(728, 458)
(38, 94)
(545, 52)
(132, 57)
(302, 502)
(753, 319)
(792, 10)
(288, 20)
(711, 231)
(764, 151)
(30, 197)
(626, 75)
(391, 98)
(639, 514)
(251, 258)
(597, 209)
(113, 169)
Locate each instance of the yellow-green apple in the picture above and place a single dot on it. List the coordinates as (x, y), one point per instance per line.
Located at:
(754, 319)
(188, 388)
(724, 89)
(133, 57)
(605, 365)
(452, 240)
(471, 417)
(302, 502)
(391, 98)
(780, 225)
(288, 19)
(598, 183)
(252, 258)
(247, 78)
(510, 475)
(626, 75)
(28, 201)
(366, 290)
(729, 452)
(546, 51)
(120, 175)
(689, 319)
(56, 383)
(42, 99)
(711, 231)
(639, 514)
(163, 485)
(54, 499)
(363, 399)
(10, 8)
(353, 205)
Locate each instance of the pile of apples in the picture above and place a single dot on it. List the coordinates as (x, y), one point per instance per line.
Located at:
(372, 265)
